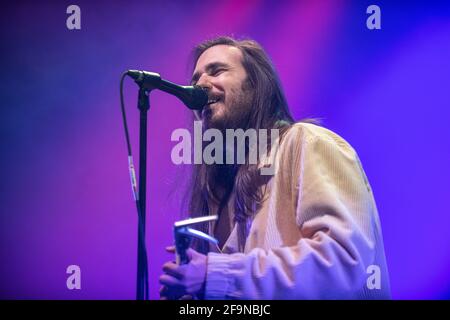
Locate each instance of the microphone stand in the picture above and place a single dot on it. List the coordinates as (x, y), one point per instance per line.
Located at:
(142, 263)
(194, 99)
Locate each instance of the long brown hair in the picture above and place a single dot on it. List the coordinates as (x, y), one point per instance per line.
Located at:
(269, 110)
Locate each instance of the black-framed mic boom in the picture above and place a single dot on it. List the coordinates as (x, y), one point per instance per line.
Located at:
(194, 97)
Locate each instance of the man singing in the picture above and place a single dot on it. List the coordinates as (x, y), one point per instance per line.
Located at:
(309, 231)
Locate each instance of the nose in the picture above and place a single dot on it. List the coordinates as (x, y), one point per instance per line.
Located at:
(204, 81)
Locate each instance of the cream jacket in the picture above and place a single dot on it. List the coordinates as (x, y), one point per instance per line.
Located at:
(317, 234)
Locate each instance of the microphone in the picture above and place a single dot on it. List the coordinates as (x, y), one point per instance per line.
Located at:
(194, 97)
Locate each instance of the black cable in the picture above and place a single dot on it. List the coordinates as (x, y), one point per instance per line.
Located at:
(141, 277)
(124, 116)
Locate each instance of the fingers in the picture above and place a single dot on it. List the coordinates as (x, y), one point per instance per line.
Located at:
(163, 291)
(171, 249)
(191, 253)
(172, 279)
(171, 268)
(173, 293)
(168, 280)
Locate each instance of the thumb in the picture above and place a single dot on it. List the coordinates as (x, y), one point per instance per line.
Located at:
(191, 253)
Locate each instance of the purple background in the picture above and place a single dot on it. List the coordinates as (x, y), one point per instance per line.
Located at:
(65, 194)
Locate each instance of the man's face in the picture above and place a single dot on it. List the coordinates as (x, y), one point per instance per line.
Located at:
(220, 70)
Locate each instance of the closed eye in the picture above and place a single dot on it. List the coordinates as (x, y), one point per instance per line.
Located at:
(213, 69)
(217, 71)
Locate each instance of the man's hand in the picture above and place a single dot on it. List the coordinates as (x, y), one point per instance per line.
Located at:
(180, 281)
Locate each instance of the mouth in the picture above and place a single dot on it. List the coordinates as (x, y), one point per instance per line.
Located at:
(212, 101)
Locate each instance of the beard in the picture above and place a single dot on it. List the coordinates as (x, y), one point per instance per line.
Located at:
(234, 113)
